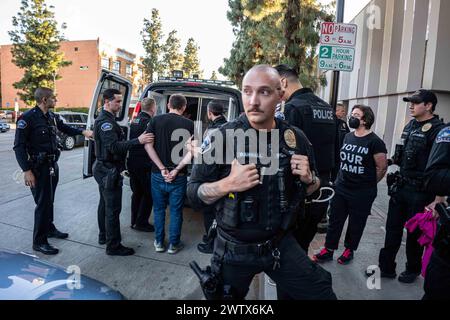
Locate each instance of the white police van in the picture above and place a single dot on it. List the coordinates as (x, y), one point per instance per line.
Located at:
(197, 92)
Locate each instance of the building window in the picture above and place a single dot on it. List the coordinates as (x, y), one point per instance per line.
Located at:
(116, 66)
(76, 48)
(105, 63)
(129, 71)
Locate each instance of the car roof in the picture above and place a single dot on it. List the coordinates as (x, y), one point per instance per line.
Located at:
(30, 277)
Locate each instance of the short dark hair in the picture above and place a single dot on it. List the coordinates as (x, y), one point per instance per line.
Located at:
(368, 115)
(109, 94)
(288, 72)
(177, 101)
(215, 107)
(41, 93)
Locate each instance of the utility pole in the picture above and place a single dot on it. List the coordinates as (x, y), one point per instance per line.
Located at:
(335, 84)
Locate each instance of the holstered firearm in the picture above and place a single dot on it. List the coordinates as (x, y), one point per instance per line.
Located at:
(398, 154)
(442, 240)
(393, 181)
(211, 284)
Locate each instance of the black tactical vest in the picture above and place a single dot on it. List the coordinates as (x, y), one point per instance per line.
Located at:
(270, 205)
(316, 119)
(418, 139)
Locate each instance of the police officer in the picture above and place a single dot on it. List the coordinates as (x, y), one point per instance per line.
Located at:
(110, 151)
(255, 207)
(410, 196)
(216, 117)
(139, 166)
(36, 150)
(316, 119)
(343, 129)
(437, 181)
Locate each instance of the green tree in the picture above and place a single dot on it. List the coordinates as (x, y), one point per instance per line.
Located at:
(273, 32)
(301, 31)
(151, 41)
(191, 64)
(172, 56)
(36, 42)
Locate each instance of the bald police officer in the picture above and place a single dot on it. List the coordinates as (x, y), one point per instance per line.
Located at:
(255, 209)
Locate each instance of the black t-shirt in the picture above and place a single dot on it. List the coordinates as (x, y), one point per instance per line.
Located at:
(164, 127)
(358, 168)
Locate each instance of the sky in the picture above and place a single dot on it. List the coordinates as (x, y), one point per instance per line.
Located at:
(118, 23)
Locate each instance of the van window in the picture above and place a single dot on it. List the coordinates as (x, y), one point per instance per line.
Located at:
(111, 84)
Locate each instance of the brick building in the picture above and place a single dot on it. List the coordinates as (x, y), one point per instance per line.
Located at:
(78, 81)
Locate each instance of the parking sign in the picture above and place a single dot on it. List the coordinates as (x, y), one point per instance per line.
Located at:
(337, 41)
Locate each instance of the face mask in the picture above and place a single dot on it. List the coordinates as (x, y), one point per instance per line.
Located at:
(354, 123)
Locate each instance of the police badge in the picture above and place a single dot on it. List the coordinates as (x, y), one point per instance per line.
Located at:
(289, 138)
(426, 127)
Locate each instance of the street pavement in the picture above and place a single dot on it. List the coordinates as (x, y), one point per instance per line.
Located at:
(151, 275)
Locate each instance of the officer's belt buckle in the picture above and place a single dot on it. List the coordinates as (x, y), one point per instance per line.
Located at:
(264, 247)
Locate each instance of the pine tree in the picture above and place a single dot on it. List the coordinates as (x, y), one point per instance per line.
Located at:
(172, 57)
(191, 64)
(151, 41)
(273, 32)
(302, 29)
(36, 41)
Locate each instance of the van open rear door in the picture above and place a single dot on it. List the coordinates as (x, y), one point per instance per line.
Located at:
(107, 80)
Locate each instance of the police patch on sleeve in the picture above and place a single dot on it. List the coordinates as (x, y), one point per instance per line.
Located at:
(443, 136)
(21, 124)
(206, 145)
(106, 126)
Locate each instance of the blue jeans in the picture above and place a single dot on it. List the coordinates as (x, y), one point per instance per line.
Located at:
(171, 194)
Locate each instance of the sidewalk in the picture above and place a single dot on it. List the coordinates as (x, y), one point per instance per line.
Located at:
(349, 281)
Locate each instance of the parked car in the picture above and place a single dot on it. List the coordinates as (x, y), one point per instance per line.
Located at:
(25, 276)
(4, 126)
(197, 92)
(73, 119)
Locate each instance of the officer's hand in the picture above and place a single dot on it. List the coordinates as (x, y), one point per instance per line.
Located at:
(88, 134)
(146, 138)
(242, 177)
(300, 167)
(30, 180)
(192, 147)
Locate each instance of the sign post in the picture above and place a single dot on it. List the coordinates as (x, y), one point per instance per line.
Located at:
(336, 51)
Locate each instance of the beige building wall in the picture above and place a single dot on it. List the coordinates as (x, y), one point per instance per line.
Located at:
(407, 49)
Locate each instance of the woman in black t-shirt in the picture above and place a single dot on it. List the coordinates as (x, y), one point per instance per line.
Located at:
(363, 165)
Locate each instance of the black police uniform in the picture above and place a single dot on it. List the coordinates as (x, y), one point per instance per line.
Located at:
(139, 166)
(36, 149)
(437, 181)
(410, 197)
(317, 120)
(252, 235)
(343, 129)
(110, 150)
(208, 213)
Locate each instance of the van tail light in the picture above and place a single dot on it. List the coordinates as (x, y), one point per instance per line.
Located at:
(136, 111)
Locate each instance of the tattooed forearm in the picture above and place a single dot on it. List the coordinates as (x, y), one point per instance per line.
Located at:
(211, 192)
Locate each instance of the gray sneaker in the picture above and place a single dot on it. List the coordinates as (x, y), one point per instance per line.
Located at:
(159, 247)
(175, 249)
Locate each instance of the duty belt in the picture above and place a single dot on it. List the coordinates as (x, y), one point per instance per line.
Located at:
(413, 182)
(43, 157)
(237, 248)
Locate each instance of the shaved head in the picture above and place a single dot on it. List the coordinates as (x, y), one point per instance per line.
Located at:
(261, 92)
(271, 72)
